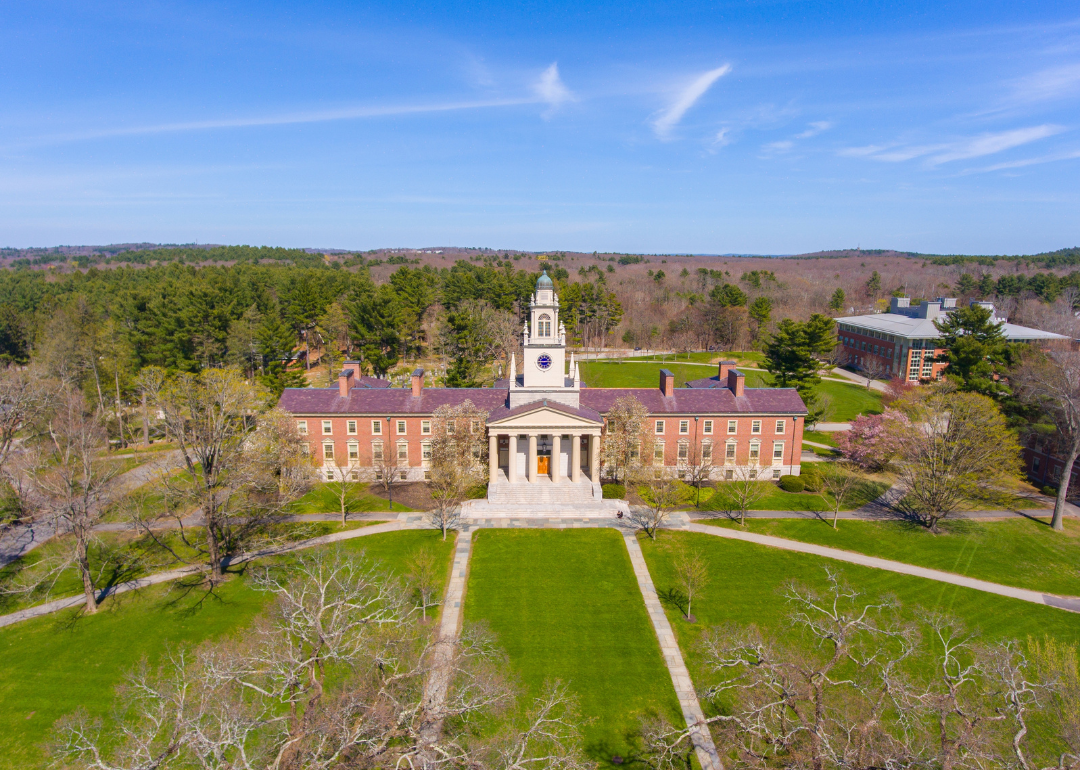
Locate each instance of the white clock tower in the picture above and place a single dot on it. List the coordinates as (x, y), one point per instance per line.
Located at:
(545, 374)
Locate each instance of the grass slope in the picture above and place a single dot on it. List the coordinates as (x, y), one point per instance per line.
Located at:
(323, 498)
(1016, 552)
(746, 578)
(55, 664)
(565, 605)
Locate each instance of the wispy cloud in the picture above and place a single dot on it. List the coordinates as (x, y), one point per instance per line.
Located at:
(962, 149)
(1048, 84)
(722, 138)
(815, 128)
(686, 98)
(1072, 155)
(550, 88)
(773, 148)
(279, 119)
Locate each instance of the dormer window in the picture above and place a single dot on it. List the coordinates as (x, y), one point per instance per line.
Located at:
(543, 324)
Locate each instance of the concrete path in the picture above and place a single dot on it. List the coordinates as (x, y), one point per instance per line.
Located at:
(669, 648)
(832, 427)
(877, 385)
(1071, 603)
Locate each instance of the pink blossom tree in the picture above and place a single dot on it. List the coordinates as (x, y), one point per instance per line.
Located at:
(869, 443)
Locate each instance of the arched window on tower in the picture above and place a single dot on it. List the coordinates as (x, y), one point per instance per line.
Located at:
(544, 324)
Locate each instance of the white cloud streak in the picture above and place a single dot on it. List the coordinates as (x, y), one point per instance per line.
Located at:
(1048, 84)
(1026, 162)
(686, 98)
(948, 152)
(815, 128)
(281, 119)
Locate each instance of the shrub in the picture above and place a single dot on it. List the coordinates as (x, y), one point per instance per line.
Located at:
(614, 491)
(479, 492)
(792, 484)
(1049, 491)
(811, 476)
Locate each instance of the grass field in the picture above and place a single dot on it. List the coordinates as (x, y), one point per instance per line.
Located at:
(820, 437)
(847, 401)
(565, 605)
(323, 499)
(777, 499)
(56, 663)
(746, 578)
(1017, 552)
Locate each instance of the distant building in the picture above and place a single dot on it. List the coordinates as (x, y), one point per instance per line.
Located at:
(904, 340)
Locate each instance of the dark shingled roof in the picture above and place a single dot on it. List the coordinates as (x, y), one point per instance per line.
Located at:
(707, 382)
(502, 413)
(371, 382)
(385, 401)
(594, 401)
(700, 401)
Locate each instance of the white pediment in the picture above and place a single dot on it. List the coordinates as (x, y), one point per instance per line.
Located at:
(545, 417)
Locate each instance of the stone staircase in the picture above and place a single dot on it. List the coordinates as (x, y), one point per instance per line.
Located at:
(543, 498)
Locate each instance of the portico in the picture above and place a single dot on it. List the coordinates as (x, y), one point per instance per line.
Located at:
(544, 440)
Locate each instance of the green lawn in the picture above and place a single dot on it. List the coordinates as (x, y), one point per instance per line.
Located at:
(745, 579)
(1017, 552)
(846, 400)
(637, 374)
(323, 499)
(820, 437)
(777, 499)
(56, 663)
(565, 605)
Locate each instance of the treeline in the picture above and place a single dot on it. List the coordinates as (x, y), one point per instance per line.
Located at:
(1046, 260)
(102, 326)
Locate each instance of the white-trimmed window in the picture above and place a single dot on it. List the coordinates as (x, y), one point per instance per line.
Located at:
(403, 452)
(732, 427)
(778, 453)
(684, 452)
(350, 427)
(376, 427)
(474, 426)
(354, 452)
(776, 473)
(543, 325)
(329, 474)
(376, 451)
(328, 451)
(659, 427)
(755, 426)
(729, 475)
(755, 452)
(305, 449)
(635, 451)
(684, 427)
(729, 452)
(780, 426)
(425, 427)
(706, 453)
(753, 473)
(706, 427)
(301, 427)
(401, 427)
(425, 451)
(327, 428)
(658, 452)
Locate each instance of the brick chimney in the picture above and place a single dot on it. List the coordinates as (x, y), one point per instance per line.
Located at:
(736, 382)
(417, 382)
(667, 382)
(354, 367)
(345, 382)
(725, 367)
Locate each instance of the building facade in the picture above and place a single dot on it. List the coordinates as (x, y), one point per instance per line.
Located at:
(545, 426)
(904, 341)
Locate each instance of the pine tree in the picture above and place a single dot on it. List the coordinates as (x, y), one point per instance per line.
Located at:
(873, 285)
(836, 302)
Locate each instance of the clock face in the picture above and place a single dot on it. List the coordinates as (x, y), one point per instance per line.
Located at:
(544, 361)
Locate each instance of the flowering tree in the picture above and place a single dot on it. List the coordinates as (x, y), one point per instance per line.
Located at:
(870, 444)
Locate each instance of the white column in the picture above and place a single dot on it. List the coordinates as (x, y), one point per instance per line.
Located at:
(511, 469)
(575, 457)
(530, 462)
(594, 457)
(556, 457)
(493, 458)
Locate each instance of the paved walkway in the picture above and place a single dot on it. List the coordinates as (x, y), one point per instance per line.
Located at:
(669, 648)
(1071, 603)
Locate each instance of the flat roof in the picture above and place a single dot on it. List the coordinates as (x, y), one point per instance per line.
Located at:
(923, 328)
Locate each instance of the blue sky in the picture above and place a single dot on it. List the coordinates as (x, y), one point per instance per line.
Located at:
(763, 127)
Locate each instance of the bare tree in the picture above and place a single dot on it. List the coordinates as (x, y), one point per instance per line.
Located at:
(858, 688)
(343, 486)
(424, 578)
(458, 460)
(698, 465)
(837, 485)
(1052, 382)
(267, 700)
(387, 469)
(743, 489)
(237, 478)
(660, 493)
(627, 438)
(73, 485)
(692, 572)
(24, 397)
(874, 368)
